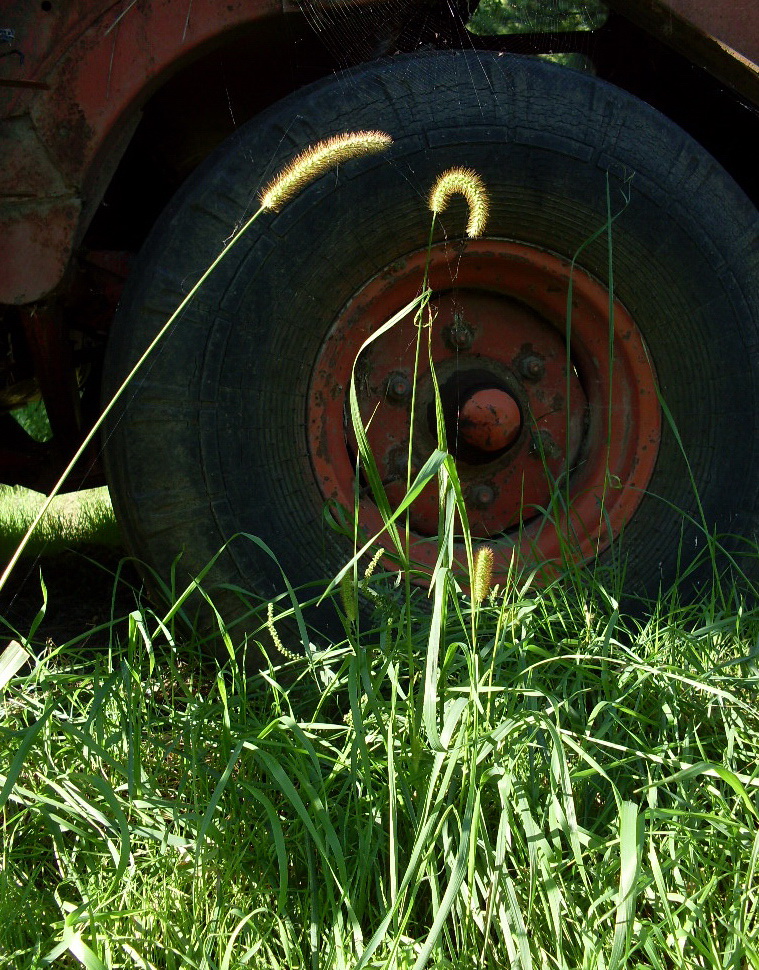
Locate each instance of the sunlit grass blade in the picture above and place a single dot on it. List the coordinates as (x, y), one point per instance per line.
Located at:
(12, 659)
(629, 866)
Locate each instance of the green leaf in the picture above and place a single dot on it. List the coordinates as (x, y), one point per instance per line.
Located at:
(12, 659)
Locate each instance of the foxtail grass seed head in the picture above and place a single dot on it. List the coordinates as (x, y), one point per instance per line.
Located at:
(466, 182)
(482, 574)
(291, 655)
(317, 160)
(347, 594)
(373, 565)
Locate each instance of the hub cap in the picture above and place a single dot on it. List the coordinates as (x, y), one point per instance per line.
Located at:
(489, 420)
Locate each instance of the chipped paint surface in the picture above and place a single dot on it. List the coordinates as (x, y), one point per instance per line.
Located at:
(87, 65)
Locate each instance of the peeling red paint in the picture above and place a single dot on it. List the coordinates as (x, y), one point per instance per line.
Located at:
(99, 61)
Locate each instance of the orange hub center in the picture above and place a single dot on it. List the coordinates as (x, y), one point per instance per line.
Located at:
(490, 419)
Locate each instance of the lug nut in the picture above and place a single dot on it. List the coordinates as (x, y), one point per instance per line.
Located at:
(459, 336)
(532, 368)
(398, 388)
(481, 496)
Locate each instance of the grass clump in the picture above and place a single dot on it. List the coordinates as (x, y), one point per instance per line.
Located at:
(566, 789)
(34, 420)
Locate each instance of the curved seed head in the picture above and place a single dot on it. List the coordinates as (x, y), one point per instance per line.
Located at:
(317, 160)
(482, 574)
(466, 182)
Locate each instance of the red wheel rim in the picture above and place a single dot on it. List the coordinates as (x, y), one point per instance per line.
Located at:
(554, 450)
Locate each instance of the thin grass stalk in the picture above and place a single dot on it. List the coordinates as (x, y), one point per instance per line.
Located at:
(604, 230)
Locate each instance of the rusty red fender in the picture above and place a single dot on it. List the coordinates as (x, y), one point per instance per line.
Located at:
(73, 78)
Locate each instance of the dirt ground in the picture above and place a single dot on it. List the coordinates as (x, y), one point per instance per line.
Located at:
(81, 594)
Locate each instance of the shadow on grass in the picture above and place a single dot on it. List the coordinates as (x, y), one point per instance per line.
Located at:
(81, 589)
(73, 563)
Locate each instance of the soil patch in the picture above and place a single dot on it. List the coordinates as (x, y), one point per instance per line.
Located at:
(82, 594)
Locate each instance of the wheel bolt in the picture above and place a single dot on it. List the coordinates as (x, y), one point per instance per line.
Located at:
(459, 336)
(398, 388)
(532, 368)
(481, 496)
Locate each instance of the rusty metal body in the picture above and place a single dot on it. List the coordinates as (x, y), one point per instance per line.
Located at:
(721, 36)
(735, 24)
(75, 77)
(70, 108)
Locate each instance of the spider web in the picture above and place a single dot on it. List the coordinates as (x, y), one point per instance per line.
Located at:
(354, 32)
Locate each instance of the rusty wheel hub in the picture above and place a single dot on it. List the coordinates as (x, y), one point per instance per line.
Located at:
(554, 426)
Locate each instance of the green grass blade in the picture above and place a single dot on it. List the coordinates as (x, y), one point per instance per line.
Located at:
(12, 659)
(630, 850)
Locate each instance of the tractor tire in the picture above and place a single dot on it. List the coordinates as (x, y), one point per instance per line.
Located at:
(632, 435)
